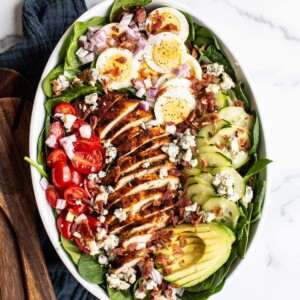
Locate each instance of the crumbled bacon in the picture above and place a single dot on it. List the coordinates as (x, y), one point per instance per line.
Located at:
(121, 60)
(145, 265)
(85, 230)
(203, 164)
(93, 122)
(177, 249)
(140, 15)
(131, 247)
(239, 103)
(195, 53)
(184, 200)
(141, 286)
(182, 241)
(57, 87)
(175, 172)
(170, 28)
(118, 251)
(156, 23)
(156, 203)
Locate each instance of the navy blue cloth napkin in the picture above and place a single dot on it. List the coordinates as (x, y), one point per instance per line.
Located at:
(44, 22)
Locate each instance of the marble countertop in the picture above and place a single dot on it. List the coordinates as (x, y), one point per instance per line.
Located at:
(266, 36)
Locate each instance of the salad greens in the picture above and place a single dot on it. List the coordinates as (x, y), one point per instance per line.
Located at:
(72, 249)
(119, 295)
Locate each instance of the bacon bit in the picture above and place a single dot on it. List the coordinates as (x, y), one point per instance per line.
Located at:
(98, 206)
(219, 211)
(141, 286)
(182, 241)
(215, 80)
(195, 53)
(184, 200)
(118, 251)
(162, 237)
(167, 195)
(57, 87)
(192, 116)
(167, 270)
(203, 164)
(174, 220)
(145, 265)
(156, 203)
(161, 91)
(156, 20)
(175, 172)
(177, 249)
(85, 230)
(121, 60)
(129, 44)
(170, 28)
(140, 15)
(168, 293)
(93, 122)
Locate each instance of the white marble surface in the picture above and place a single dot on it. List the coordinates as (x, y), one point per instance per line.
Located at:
(266, 35)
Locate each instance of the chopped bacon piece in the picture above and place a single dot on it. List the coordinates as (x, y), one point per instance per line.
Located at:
(121, 60)
(170, 28)
(85, 230)
(177, 249)
(131, 247)
(195, 53)
(175, 172)
(203, 164)
(118, 251)
(140, 15)
(93, 122)
(156, 203)
(239, 103)
(182, 241)
(184, 200)
(145, 265)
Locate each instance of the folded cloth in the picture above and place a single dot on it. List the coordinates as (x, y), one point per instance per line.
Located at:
(44, 22)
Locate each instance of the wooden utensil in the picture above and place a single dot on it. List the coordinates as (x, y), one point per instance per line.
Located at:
(22, 267)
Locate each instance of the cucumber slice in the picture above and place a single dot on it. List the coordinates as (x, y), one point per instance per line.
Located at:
(239, 184)
(221, 100)
(201, 141)
(208, 149)
(226, 211)
(210, 130)
(204, 178)
(200, 199)
(237, 116)
(191, 171)
(214, 159)
(200, 188)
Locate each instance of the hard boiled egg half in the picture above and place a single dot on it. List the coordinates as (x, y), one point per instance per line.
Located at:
(165, 52)
(117, 67)
(174, 105)
(167, 19)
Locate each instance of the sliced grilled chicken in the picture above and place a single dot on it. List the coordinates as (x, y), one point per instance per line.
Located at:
(136, 118)
(128, 260)
(114, 115)
(82, 109)
(106, 101)
(140, 239)
(167, 165)
(127, 135)
(146, 182)
(130, 146)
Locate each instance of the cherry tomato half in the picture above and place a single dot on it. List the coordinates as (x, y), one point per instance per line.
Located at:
(76, 176)
(52, 195)
(81, 245)
(65, 108)
(77, 124)
(74, 193)
(93, 222)
(64, 226)
(79, 209)
(57, 130)
(88, 145)
(56, 156)
(61, 175)
(100, 154)
(85, 162)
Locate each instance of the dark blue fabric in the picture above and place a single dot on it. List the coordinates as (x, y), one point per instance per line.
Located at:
(44, 22)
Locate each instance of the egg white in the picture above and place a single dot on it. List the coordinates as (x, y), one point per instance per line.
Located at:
(131, 67)
(171, 102)
(195, 66)
(170, 50)
(163, 79)
(183, 30)
(177, 83)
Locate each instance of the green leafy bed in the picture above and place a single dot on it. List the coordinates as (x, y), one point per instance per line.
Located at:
(200, 36)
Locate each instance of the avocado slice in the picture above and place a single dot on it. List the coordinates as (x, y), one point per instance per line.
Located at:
(207, 248)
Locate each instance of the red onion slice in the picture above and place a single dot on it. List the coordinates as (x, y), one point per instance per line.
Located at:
(82, 53)
(44, 183)
(144, 105)
(156, 276)
(133, 26)
(140, 93)
(152, 92)
(142, 25)
(82, 40)
(125, 21)
(139, 84)
(88, 58)
(51, 141)
(61, 204)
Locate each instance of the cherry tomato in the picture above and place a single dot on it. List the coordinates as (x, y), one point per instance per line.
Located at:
(88, 145)
(76, 176)
(100, 154)
(85, 162)
(77, 124)
(56, 156)
(74, 193)
(52, 195)
(61, 175)
(79, 209)
(64, 226)
(65, 108)
(93, 222)
(57, 131)
(81, 245)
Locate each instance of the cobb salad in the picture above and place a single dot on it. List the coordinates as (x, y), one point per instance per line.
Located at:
(149, 155)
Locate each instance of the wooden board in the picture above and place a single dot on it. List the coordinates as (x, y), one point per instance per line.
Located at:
(18, 211)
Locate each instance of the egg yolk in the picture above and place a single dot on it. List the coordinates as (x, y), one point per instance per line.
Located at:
(118, 68)
(146, 72)
(168, 54)
(170, 22)
(175, 110)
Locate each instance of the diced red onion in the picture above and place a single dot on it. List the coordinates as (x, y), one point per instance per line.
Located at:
(148, 83)
(82, 40)
(154, 40)
(94, 28)
(67, 143)
(185, 67)
(88, 46)
(182, 70)
(178, 291)
(58, 116)
(177, 72)
(85, 131)
(140, 93)
(151, 104)
(88, 58)
(144, 105)
(138, 53)
(139, 84)
(126, 20)
(156, 276)
(51, 141)
(112, 42)
(154, 79)
(81, 52)
(152, 92)
(151, 100)
(99, 49)
(99, 36)
(80, 218)
(142, 43)
(142, 25)
(90, 34)
(44, 183)
(132, 34)
(66, 84)
(73, 227)
(133, 26)
(72, 138)
(61, 204)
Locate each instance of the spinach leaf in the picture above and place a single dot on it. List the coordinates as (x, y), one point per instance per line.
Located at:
(90, 270)
(119, 295)
(204, 36)
(243, 234)
(69, 96)
(215, 279)
(72, 249)
(47, 125)
(47, 87)
(119, 4)
(256, 168)
(129, 90)
(260, 191)
(37, 166)
(238, 89)
(79, 29)
(255, 135)
(191, 36)
(41, 149)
